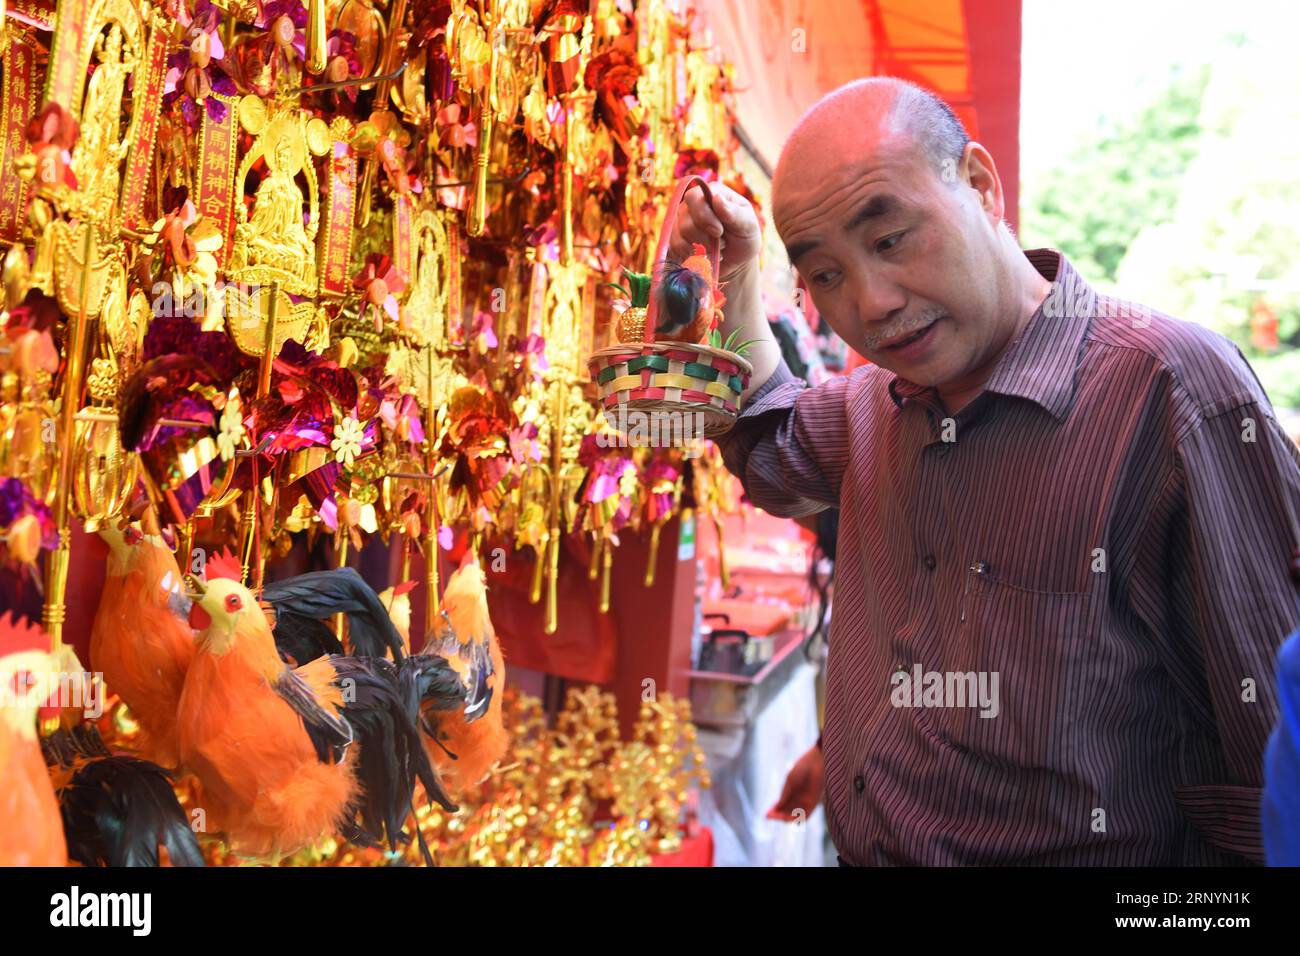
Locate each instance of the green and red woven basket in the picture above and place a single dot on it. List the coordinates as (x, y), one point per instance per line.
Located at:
(670, 379)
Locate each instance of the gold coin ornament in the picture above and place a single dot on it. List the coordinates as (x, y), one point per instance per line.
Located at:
(252, 114)
(319, 139)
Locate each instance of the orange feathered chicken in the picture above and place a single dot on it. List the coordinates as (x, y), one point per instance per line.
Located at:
(141, 640)
(269, 743)
(31, 828)
(690, 299)
(471, 737)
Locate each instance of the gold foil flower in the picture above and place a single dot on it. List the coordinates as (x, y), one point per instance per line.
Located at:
(232, 427)
(348, 435)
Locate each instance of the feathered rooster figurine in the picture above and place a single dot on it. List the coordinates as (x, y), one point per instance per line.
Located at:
(141, 640)
(31, 828)
(270, 783)
(690, 300)
(469, 739)
(118, 810)
(272, 744)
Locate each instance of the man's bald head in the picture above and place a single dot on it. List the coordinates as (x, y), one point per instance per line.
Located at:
(894, 220)
(868, 111)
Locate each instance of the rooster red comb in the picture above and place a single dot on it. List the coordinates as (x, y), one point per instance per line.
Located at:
(223, 564)
(18, 635)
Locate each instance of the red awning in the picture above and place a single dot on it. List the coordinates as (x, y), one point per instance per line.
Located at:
(788, 53)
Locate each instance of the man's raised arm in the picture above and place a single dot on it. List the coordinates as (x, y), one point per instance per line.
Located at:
(791, 444)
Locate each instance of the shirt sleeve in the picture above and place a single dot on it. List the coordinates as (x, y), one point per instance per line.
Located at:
(1281, 803)
(790, 444)
(1227, 523)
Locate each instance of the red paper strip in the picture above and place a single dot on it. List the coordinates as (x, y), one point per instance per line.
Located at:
(15, 110)
(216, 173)
(34, 13)
(65, 76)
(336, 244)
(147, 102)
(455, 309)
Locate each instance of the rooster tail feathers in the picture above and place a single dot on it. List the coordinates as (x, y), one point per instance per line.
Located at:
(318, 595)
(118, 810)
(681, 293)
(381, 709)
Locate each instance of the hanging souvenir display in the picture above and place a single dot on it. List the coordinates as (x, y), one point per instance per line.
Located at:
(287, 277)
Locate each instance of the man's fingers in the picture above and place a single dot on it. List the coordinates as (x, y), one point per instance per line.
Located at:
(702, 214)
(700, 220)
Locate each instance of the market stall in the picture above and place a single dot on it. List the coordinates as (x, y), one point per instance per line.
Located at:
(299, 299)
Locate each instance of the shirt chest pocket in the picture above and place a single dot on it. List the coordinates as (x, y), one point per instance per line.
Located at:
(1036, 659)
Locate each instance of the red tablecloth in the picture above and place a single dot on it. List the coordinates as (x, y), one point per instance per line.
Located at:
(696, 850)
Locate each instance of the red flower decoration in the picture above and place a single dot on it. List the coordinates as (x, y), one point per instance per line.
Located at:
(378, 282)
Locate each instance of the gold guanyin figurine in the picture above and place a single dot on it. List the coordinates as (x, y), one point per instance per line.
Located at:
(100, 148)
(273, 248)
(274, 244)
(425, 311)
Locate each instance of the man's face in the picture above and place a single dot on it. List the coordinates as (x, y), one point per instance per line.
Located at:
(898, 261)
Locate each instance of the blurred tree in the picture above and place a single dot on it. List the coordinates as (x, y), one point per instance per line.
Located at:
(1193, 206)
(1127, 174)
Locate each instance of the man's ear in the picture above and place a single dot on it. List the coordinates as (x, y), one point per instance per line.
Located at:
(980, 172)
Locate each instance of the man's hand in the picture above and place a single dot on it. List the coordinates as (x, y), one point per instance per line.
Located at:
(803, 788)
(730, 217)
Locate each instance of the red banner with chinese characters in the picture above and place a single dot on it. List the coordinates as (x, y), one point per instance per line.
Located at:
(336, 245)
(147, 103)
(215, 178)
(34, 13)
(17, 105)
(65, 76)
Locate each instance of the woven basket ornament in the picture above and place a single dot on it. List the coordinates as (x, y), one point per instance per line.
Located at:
(669, 383)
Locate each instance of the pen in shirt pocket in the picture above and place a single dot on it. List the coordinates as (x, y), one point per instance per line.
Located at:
(980, 570)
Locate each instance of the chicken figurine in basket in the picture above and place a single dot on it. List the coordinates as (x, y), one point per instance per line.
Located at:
(671, 358)
(690, 302)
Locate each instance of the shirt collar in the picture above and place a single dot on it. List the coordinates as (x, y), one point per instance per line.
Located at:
(1041, 365)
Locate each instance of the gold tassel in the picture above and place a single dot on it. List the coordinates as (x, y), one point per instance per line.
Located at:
(553, 559)
(341, 619)
(316, 37)
(606, 559)
(654, 554)
(539, 565)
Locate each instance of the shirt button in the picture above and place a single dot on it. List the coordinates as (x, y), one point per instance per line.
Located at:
(859, 784)
(930, 562)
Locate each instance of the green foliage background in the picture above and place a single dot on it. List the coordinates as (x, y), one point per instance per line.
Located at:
(1189, 202)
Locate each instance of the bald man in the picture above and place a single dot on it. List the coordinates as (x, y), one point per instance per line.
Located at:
(1065, 519)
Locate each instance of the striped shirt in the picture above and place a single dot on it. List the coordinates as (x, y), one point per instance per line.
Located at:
(1056, 612)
